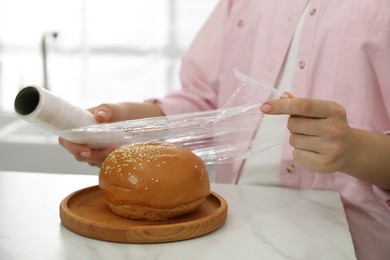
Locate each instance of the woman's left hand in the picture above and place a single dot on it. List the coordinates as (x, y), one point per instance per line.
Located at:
(319, 131)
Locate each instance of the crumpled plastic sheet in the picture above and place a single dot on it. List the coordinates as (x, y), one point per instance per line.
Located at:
(217, 136)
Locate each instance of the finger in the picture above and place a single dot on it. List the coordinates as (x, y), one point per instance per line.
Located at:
(95, 164)
(315, 144)
(305, 143)
(315, 153)
(98, 156)
(315, 161)
(78, 150)
(307, 158)
(306, 125)
(101, 116)
(299, 106)
(102, 113)
(81, 153)
(94, 158)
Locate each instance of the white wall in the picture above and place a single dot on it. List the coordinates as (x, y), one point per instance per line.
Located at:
(107, 50)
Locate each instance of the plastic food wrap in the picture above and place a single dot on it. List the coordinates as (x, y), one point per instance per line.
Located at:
(41, 108)
(217, 136)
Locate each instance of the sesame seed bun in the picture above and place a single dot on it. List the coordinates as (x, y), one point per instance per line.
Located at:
(153, 181)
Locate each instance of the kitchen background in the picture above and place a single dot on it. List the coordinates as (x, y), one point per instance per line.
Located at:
(95, 51)
(105, 51)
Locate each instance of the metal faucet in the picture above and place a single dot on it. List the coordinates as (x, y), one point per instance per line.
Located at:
(44, 56)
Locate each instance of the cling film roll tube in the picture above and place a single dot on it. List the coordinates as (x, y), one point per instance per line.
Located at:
(217, 136)
(43, 109)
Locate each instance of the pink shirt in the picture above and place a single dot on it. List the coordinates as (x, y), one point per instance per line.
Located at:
(344, 56)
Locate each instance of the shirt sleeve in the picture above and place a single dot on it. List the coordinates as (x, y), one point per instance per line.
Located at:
(199, 68)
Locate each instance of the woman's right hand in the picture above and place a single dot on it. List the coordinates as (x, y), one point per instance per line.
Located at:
(106, 113)
(103, 113)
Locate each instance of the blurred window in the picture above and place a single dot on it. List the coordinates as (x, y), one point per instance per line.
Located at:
(106, 50)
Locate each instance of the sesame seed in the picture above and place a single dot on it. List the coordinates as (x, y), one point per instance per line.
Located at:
(133, 155)
(133, 179)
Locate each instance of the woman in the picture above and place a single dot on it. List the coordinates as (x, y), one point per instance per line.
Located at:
(334, 57)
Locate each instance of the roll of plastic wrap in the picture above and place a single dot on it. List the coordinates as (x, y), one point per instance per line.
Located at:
(41, 108)
(217, 136)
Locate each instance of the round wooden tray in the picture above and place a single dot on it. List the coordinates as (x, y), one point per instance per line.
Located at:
(86, 213)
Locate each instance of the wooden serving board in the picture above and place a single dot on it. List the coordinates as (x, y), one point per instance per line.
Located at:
(86, 213)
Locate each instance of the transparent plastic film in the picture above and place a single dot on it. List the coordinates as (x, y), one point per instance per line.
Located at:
(217, 136)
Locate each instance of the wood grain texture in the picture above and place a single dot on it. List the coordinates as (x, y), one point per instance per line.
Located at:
(86, 213)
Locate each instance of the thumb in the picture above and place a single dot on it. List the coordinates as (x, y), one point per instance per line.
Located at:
(102, 113)
(101, 116)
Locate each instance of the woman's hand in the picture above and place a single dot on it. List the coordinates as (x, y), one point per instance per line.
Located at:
(319, 131)
(324, 142)
(103, 114)
(106, 113)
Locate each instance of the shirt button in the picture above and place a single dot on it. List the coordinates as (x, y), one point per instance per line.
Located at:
(240, 23)
(302, 64)
(290, 168)
(313, 11)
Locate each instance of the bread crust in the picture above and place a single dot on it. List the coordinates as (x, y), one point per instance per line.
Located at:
(153, 181)
(148, 213)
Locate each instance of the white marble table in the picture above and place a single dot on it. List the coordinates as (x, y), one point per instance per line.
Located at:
(263, 223)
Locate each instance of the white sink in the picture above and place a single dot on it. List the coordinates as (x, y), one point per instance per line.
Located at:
(24, 147)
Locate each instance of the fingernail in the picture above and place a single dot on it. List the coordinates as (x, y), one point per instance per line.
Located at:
(101, 113)
(85, 154)
(265, 108)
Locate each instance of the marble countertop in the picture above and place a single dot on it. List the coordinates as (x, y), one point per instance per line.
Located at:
(262, 223)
